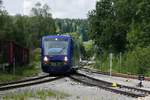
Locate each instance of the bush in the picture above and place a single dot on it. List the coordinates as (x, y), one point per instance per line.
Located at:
(103, 63)
(88, 48)
(133, 62)
(36, 55)
(138, 61)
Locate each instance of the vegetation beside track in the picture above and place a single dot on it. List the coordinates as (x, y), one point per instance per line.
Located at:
(114, 27)
(132, 63)
(20, 73)
(37, 94)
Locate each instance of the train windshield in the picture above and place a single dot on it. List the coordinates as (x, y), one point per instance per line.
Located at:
(55, 47)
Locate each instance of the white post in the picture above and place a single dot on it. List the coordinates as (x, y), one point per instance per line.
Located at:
(111, 58)
(120, 60)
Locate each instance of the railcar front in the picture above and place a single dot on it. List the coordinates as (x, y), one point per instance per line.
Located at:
(56, 54)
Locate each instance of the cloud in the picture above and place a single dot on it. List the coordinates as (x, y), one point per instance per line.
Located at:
(13, 6)
(63, 8)
(71, 8)
(29, 4)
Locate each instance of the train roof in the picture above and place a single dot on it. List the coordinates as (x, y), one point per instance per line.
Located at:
(57, 36)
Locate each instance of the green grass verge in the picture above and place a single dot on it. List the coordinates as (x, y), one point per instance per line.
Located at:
(129, 67)
(20, 73)
(38, 94)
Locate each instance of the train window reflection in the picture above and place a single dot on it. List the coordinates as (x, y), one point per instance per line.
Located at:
(53, 47)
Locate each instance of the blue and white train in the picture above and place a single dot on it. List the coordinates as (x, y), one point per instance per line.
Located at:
(60, 54)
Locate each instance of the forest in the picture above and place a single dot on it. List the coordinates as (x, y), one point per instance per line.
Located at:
(121, 27)
(23, 29)
(27, 31)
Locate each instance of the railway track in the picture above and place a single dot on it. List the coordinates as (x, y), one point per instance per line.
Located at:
(28, 82)
(83, 78)
(25, 80)
(94, 71)
(121, 89)
(113, 74)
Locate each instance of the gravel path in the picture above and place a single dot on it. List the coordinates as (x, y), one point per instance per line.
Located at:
(75, 90)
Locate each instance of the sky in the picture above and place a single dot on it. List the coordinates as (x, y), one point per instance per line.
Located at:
(59, 8)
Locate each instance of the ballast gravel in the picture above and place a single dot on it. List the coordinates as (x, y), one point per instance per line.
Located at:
(74, 90)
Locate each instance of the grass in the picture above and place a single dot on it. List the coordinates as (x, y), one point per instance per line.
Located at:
(20, 73)
(124, 68)
(38, 94)
(4, 77)
(25, 71)
(116, 68)
(132, 62)
(29, 70)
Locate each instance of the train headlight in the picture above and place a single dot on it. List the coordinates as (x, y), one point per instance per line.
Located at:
(45, 59)
(65, 59)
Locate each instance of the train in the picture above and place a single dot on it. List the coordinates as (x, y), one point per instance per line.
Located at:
(59, 54)
(12, 54)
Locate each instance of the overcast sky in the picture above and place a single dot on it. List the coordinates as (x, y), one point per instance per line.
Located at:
(59, 8)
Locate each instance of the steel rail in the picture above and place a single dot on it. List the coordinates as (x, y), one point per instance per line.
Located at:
(105, 85)
(20, 85)
(25, 80)
(119, 85)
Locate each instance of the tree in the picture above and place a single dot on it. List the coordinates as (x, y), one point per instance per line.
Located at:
(104, 27)
(6, 25)
(139, 28)
(19, 32)
(42, 22)
(26, 30)
(79, 26)
(120, 25)
(41, 11)
(0, 2)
